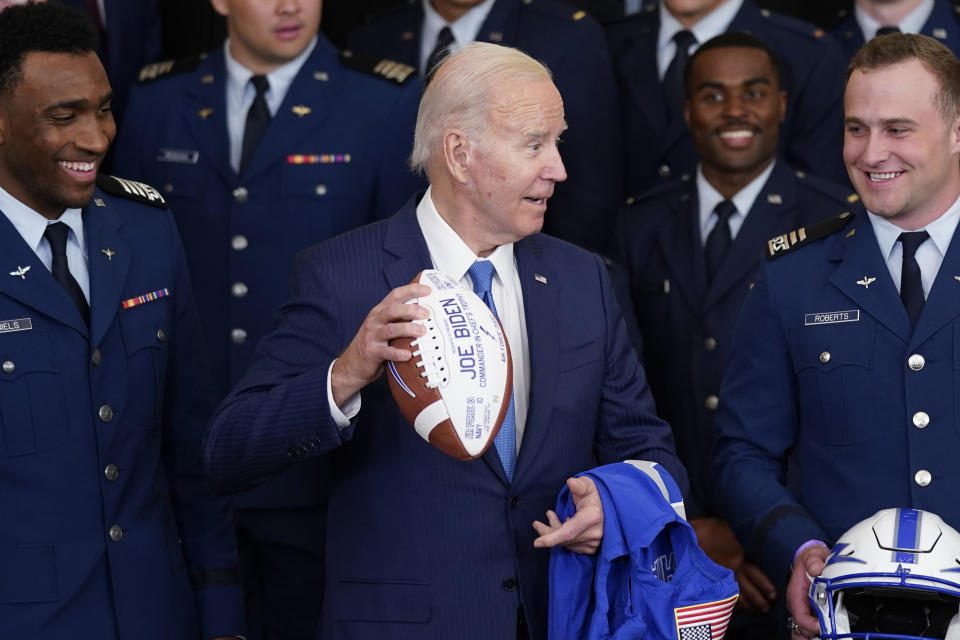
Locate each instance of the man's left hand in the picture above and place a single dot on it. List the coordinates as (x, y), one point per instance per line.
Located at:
(584, 531)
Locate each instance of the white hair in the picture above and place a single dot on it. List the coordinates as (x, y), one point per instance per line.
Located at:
(460, 93)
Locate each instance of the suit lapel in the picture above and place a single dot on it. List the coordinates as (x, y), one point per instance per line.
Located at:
(500, 25)
(36, 287)
(766, 218)
(405, 45)
(943, 303)
(109, 259)
(541, 306)
(679, 237)
(304, 108)
(206, 119)
(860, 260)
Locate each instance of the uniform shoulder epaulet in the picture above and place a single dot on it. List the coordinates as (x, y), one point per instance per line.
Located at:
(783, 244)
(131, 190)
(827, 188)
(659, 190)
(158, 70)
(390, 70)
(795, 25)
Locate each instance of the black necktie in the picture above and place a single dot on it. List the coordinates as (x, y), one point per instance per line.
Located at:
(673, 89)
(56, 235)
(911, 285)
(882, 31)
(258, 119)
(440, 52)
(719, 238)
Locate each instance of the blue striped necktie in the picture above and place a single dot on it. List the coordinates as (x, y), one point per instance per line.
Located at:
(481, 273)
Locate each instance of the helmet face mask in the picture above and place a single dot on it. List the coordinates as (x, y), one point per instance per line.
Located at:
(896, 575)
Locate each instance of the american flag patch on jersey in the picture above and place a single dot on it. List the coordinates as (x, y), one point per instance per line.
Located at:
(706, 621)
(147, 297)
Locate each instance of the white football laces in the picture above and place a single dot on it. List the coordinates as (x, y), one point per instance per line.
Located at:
(432, 363)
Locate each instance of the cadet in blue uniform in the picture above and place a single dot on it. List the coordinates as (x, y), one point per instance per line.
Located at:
(331, 156)
(692, 258)
(935, 18)
(571, 44)
(830, 367)
(131, 35)
(109, 529)
(657, 144)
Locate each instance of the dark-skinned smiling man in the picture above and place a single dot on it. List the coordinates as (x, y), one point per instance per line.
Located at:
(108, 530)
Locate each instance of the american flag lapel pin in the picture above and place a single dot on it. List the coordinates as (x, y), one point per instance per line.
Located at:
(539, 278)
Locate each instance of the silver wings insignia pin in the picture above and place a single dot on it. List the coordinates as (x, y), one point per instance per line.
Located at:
(21, 271)
(866, 282)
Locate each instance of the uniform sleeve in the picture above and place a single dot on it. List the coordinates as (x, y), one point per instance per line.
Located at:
(204, 521)
(757, 424)
(629, 428)
(278, 413)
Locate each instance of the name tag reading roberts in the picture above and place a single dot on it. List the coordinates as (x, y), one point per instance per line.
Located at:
(180, 156)
(20, 324)
(831, 317)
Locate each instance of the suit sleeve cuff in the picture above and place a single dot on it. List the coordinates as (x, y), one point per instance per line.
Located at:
(341, 415)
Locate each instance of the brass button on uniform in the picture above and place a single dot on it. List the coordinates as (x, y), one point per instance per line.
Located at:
(111, 473)
(116, 533)
(921, 419)
(161, 336)
(238, 336)
(239, 242)
(239, 289)
(916, 362)
(710, 343)
(664, 171)
(825, 357)
(96, 357)
(240, 194)
(8, 366)
(321, 190)
(105, 413)
(922, 477)
(168, 187)
(711, 402)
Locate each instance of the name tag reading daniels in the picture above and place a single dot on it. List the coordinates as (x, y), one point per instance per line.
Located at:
(20, 324)
(831, 317)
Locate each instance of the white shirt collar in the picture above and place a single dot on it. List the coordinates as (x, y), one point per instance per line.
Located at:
(464, 28)
(31, 224)
(941, 230)
(280, 79)
(743, 200)
(912, 23)
(448, 252)
(710, 26)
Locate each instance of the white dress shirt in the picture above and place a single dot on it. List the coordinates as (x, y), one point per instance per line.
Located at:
(240, 94)
(464, 28)
(743, 200)
(929, 254)
(912, 22)
(710, 26)
(452, 257)
(31, 226)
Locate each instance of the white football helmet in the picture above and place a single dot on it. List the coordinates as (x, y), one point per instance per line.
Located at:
(894, 575)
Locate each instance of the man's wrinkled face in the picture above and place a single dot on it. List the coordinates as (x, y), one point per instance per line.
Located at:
(55, 129)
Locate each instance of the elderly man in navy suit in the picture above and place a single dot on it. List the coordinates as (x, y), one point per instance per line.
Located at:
(272, 143)
(572, 45)
(419, 544)
(109, 529)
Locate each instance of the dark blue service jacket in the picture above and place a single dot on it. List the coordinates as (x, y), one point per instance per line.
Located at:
(686, 322)
(109, 528)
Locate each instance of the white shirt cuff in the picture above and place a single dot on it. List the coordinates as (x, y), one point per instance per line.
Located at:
(342, 416)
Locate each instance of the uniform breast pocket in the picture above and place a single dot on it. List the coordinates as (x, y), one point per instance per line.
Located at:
(146, 335)
(834, 368)
(337, 184)
(32, 414)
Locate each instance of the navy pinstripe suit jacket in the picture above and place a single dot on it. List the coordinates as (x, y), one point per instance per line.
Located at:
(421, 545)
